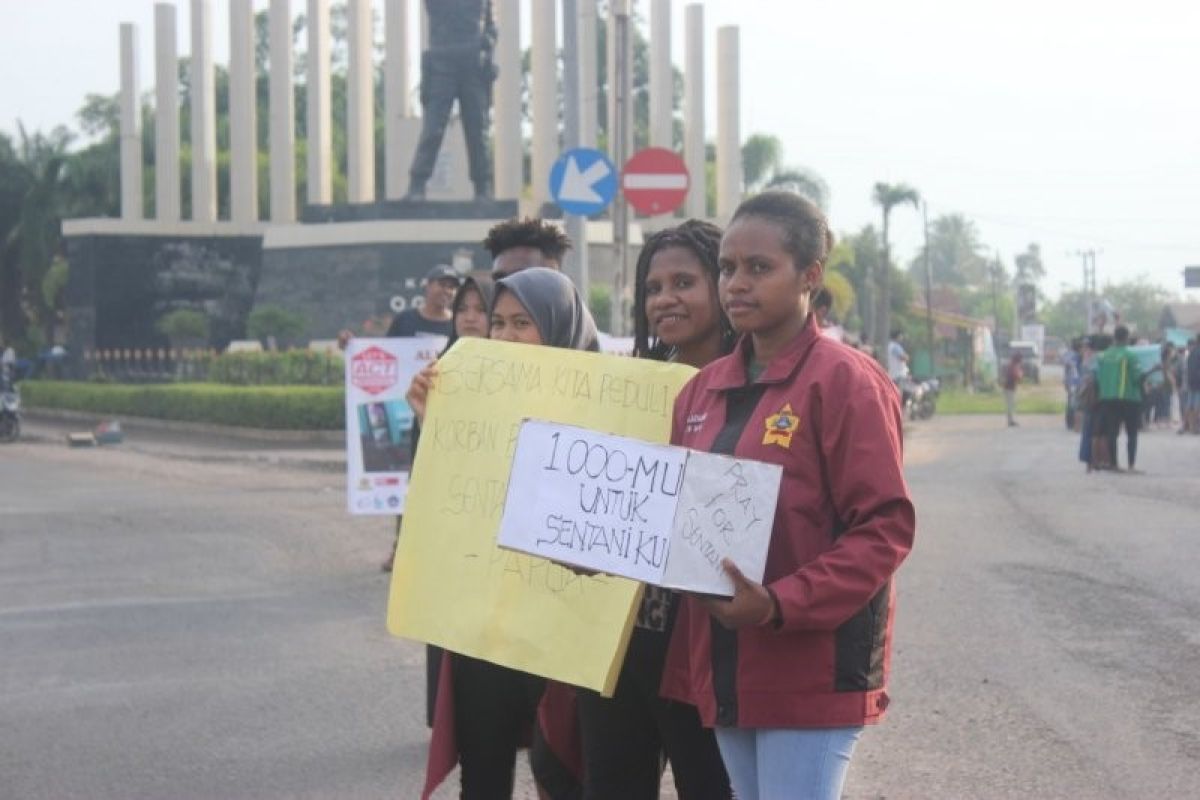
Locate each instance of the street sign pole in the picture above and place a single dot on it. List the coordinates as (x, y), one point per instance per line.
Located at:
(616, 139)
(576, 266)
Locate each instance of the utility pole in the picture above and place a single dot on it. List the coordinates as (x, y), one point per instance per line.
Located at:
(996, 291)
(1088, 257)
(928, 291)
(617, 142)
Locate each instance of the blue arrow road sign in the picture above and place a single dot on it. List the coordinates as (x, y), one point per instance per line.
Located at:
(583, 181)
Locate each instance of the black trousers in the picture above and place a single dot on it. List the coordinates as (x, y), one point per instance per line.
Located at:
(1118, 413)
(494, 710)
(449, 74)
(626, 737)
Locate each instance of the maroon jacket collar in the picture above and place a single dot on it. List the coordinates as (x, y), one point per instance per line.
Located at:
(729, 372)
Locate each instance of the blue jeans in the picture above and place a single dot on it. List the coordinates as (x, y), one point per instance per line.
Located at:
(787, 763)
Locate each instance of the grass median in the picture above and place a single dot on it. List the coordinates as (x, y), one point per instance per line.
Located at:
(1031, 399)
(272, 407)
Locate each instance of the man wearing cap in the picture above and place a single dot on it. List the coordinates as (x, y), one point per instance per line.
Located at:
(434, 318)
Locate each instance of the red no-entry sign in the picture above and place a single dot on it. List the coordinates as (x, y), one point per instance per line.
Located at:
(655, 181)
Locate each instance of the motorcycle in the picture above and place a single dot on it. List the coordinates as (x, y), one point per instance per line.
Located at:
(10, 415)
(920, 397)
(10, 410)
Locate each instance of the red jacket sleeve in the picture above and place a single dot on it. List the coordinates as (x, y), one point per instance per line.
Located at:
(859, 431)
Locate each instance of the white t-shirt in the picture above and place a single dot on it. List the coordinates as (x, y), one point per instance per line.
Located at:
(897, 360)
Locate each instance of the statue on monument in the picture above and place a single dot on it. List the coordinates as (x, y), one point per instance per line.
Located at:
(457, 66)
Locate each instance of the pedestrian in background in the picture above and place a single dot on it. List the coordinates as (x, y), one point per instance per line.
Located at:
(1121, 385)
(1010, 380)
(1191, 415)
(432, 317)
(1072, 377)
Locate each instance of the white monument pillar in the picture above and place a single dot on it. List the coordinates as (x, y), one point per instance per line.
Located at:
(694, 154)
(243, 134)
(204, 116)
(360, 106)
(319, 128)
(166, 114)
(588, 90)
(282, 109)
(662, 87)
(396, 104)
(509, 158)
(131, 126)
(729, 136)
(611, 83)
(545, 98)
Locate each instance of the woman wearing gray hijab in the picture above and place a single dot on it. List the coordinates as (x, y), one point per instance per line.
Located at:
(542, 306)
(495, 708)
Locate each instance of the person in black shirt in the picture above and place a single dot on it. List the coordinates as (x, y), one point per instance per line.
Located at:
(434, 317)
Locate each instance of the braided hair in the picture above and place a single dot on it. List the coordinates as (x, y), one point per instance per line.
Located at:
(703, 239)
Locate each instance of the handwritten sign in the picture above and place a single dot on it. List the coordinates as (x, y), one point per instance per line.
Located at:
(379, 421)
(593, 500)
(452, 585)
(726, 510)
(654, 513)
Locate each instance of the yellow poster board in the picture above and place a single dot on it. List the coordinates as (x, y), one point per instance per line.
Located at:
(451, 585)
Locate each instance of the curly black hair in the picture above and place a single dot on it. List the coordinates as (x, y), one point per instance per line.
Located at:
(527, 232)
(704, 240)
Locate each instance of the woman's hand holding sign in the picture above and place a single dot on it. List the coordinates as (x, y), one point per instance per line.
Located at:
(752, 603)
(418, 390)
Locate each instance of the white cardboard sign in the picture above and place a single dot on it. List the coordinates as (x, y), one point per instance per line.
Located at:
(655, 513)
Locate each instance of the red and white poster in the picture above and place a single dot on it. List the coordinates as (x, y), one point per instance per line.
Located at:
(379, 421)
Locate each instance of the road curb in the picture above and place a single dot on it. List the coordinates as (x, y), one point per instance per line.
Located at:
(89, 420)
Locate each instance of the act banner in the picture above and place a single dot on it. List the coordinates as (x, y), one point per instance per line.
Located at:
(452, 585)
(379, 421)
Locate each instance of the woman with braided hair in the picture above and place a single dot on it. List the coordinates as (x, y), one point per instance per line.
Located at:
(677, 317)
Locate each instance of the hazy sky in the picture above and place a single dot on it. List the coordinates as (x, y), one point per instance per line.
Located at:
(1071, 124)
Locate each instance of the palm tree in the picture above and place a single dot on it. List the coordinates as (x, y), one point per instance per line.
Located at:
(803, 182)
(763, 168)
(887, 196)
(31, 234)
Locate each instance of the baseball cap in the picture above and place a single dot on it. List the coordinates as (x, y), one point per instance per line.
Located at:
(443, 272)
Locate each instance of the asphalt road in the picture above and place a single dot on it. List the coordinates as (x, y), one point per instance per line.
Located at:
(197, 622)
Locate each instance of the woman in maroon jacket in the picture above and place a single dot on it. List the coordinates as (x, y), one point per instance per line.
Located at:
(789, 670)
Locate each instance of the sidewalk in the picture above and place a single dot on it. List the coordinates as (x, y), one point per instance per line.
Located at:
(323, 451)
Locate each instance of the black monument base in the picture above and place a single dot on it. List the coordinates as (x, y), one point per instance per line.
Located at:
(355, 266)
(411, 209)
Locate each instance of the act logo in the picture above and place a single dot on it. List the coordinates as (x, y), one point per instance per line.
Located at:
(374, 370)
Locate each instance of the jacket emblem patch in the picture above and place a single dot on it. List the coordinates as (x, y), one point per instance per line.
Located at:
(781, 426)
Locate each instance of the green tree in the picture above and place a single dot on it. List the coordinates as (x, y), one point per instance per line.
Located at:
(31, 231)
(887, 197)
(1030, 268)
(1140, 304)
(763, 168)
(274, 321)
(858, 256)
(762, 156)
(955, 253)
(842, 290)
(184, 327)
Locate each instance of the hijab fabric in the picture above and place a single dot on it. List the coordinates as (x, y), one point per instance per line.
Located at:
(555, 306)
